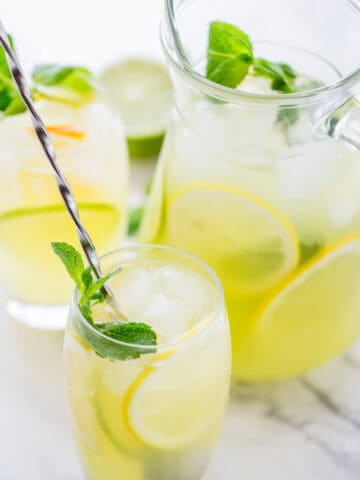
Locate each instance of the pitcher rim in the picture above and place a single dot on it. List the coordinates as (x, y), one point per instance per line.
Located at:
(168, 25)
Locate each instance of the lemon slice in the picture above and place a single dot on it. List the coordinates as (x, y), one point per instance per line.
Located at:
(154, 211)
(80, 384)
(115, 404)
(143, 92)
(310, 317)
(112, 383)
(154, 397)
(161, 389)
(118, 407)
(249, 243)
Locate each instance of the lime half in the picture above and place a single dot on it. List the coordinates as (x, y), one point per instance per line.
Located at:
(143, 93)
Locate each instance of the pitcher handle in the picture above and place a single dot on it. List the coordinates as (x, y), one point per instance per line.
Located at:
(343, 124)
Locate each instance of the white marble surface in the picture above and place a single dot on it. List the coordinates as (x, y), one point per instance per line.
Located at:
(303, 429)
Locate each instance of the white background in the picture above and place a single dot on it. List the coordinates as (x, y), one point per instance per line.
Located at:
(85, 31)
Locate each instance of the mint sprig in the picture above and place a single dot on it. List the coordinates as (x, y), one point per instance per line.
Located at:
(92, 293)
(67, 84)
(229, 54)
(231, 59)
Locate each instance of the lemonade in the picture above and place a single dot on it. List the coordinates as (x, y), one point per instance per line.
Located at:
(91, 151)
(155, 417)
(281, 228)
(250, 183)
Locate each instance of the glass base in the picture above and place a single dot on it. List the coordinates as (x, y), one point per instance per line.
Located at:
(41, 317)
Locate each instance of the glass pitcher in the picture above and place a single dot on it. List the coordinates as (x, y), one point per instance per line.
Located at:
(266, 188)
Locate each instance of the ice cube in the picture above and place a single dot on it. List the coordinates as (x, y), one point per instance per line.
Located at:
(310, 173)
(170, 317)
(343, 211)
(189, 287)
(258, 85)
(133, 288)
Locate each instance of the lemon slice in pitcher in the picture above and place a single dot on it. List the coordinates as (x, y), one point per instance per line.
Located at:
(310, 317)
(154, 210)
(142, 91)
(249, 243)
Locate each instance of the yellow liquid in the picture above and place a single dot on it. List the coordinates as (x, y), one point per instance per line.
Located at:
(283, 238)
(29, 268)
(156, 417)
(91, 152)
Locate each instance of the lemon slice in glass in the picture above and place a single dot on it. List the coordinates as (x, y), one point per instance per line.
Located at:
(116, 404)
(168, 386)
(310, 317)
(249, 243)
(143, 92)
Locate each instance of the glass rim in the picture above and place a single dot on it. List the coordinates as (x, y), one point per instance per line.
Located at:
(231, 95)
(218, 311)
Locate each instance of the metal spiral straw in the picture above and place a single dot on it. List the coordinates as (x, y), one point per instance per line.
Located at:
(49, 150)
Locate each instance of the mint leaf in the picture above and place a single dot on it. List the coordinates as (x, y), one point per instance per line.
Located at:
(10, 100)
(4, 68)
(92, 293)
(287, 117)
(78, 79)
(288, 70)
(138, 333)
(280, 74)
(5, 96)
(50, 74)
(73, 262)
(135, 218)
(230, 54)
(134, 333)
(85, 309)
(15, 105)
(87, 278)
(96, 286)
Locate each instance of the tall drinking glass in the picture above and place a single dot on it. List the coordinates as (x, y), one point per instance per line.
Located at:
(156, 415)
(266, 187)
(90, 145)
